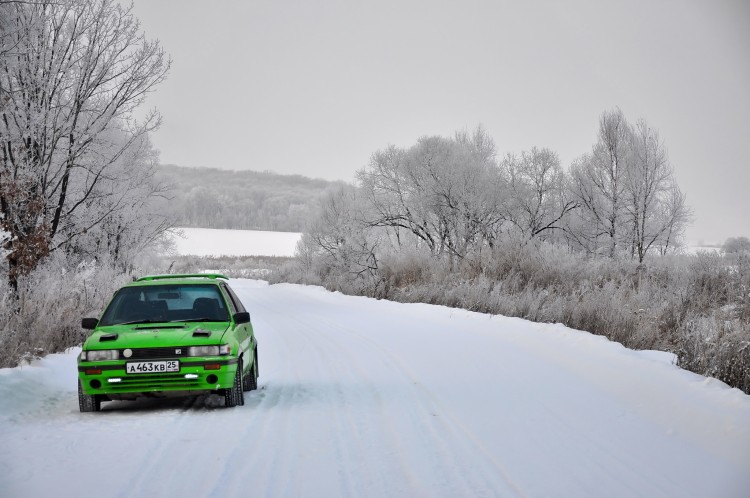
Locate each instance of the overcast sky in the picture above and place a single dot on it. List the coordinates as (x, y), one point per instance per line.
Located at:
(315, 87)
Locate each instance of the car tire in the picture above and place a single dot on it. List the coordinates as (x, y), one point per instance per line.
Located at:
(88, 402)
(250, 381)
(234, 396)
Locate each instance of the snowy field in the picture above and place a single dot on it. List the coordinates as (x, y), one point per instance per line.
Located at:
(223, 242)
(359, 397)
(695, 248)
(219, 242)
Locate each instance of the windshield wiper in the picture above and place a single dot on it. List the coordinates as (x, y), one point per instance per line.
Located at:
(204, 319)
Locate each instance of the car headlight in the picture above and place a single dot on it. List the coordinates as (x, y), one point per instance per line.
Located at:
(209, 350)
(100, 355)
(203, 351)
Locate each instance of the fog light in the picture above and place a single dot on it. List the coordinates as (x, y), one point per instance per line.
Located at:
(114, 380)
(191, 376)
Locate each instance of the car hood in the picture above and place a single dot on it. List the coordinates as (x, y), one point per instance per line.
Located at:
(156, 335)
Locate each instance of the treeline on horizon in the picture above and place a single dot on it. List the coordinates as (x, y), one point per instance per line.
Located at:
(247, 200)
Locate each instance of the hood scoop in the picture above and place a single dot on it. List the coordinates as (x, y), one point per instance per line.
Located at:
(157, 326)
(107, 337)
(201, 333)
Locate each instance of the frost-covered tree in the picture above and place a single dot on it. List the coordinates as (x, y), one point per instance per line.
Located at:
(445, 192)
(598, 183)
(676, 215)
(538, 198)
(338, 245)
(128, 207)
(655, 205)
(629, 198)
(72, 72)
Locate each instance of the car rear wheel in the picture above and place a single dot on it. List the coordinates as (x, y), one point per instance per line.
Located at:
(250, 381)
(88, 402)
(233, 396)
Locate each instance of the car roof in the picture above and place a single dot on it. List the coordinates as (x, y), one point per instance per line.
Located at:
(178, 279)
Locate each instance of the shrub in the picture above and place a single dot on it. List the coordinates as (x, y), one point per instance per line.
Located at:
(46, 316)
(736, 245)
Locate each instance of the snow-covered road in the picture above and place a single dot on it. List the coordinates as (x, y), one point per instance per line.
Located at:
(360, 397)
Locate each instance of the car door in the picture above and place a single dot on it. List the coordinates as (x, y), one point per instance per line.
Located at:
(243, 331)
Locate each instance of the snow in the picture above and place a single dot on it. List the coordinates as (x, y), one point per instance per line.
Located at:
(360, 397)
(661, 356)
(693, 248)
(225, 242)
(220, 242)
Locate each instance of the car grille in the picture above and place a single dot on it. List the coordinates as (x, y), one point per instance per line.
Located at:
(153, 353)
(150, 382)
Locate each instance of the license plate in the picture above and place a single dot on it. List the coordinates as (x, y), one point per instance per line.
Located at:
(143, 367)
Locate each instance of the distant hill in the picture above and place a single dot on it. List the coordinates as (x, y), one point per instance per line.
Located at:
(250, 200)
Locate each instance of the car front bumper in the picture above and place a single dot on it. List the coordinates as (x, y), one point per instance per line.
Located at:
(196, 375)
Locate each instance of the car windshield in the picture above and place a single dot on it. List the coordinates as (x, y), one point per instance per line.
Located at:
(166, 303)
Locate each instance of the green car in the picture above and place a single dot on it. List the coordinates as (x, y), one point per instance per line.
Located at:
(169, 335)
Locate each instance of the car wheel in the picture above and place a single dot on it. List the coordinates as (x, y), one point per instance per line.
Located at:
(250, 381)
(88, 402)
(233, 396)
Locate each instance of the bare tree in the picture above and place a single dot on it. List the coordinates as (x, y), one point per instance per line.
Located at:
(538, 197)
(443, 191)
(675, 215)
(599, 180)
(129, 203)
(339, 242)
(654, 204)
(71, 74)
(627, 192)
(480, 145)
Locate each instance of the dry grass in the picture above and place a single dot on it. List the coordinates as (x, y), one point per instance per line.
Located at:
(695, 306)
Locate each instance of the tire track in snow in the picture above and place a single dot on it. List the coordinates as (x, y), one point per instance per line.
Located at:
(336, 403)
(274, 417)
(165, 438)
(442, 431)
(296, 394)
(353, 447)
(441, 423)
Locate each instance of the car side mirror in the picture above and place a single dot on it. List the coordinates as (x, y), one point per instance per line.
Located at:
(241, 317)
(89, 323)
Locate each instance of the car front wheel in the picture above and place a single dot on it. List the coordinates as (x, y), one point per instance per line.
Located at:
(250, 381)
(234, 396)
(88, 402)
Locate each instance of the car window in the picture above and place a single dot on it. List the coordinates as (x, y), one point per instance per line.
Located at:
(165, 303)
(237, 304)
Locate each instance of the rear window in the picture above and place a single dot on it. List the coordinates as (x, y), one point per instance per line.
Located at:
(166, 303)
